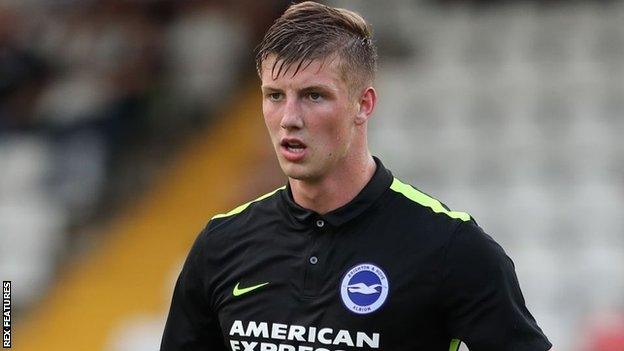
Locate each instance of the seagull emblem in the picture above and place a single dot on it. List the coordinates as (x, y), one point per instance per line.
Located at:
(362, 288)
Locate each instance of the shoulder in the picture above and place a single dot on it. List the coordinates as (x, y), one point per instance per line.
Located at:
(473, 260)
(428, 221)
(262, 207)
(420, 199)
(418, 208)
(464, 234)
(470, 246)
(225, 228)
(259, 201)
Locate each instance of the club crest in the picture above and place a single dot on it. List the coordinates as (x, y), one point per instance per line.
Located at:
(364, 288)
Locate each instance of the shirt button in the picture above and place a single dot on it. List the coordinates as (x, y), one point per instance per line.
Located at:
(320, 223)
(313, 260)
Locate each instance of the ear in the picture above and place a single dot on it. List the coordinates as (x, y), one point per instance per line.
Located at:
(366, 105)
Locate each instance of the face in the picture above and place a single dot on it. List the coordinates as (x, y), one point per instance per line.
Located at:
(311, 118)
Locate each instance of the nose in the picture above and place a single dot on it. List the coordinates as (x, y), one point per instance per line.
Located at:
(291, 117)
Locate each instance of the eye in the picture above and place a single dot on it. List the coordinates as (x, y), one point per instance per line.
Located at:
(274, 96)
(314, 96)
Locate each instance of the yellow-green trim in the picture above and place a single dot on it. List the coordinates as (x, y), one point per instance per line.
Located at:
(454, 345)
(425, 200)
(242, 207)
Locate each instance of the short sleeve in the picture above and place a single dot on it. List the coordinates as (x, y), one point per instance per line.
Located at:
(481, 297)
(191, 324)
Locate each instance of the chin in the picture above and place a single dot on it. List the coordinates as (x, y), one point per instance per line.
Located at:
(297, 171)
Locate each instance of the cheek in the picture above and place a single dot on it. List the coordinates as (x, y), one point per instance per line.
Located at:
(341, 126)
(336, 129)
(271, 119)
(266, 112)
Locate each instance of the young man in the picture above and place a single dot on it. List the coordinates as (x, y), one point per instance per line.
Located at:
(345, 256)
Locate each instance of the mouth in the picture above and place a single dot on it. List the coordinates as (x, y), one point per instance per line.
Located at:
(293, 150)
(293, 145)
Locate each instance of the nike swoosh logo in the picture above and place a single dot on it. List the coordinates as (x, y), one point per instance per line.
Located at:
(240, 291)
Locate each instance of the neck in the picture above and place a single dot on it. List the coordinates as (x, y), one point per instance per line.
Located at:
(336, 189)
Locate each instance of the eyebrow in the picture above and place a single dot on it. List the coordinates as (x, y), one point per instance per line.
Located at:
(308, 88)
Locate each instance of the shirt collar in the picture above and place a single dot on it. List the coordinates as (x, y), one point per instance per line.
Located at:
(376, 186)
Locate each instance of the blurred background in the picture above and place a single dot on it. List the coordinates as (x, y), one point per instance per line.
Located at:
(126, 124)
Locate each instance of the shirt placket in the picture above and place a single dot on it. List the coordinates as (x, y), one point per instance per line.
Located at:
(315, 258)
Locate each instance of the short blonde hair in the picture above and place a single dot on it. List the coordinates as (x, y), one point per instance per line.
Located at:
(310, 31)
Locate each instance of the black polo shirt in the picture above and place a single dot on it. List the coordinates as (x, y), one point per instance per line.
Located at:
(393, 269)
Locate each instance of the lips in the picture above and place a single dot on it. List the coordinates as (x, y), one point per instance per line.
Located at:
(293, 149)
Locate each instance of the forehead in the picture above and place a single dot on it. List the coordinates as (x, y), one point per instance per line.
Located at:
(324, 71)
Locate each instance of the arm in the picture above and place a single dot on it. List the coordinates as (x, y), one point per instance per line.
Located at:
(191, 325)
(481, 297)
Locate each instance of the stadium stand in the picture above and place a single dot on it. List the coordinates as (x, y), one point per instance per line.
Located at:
(512, 111)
